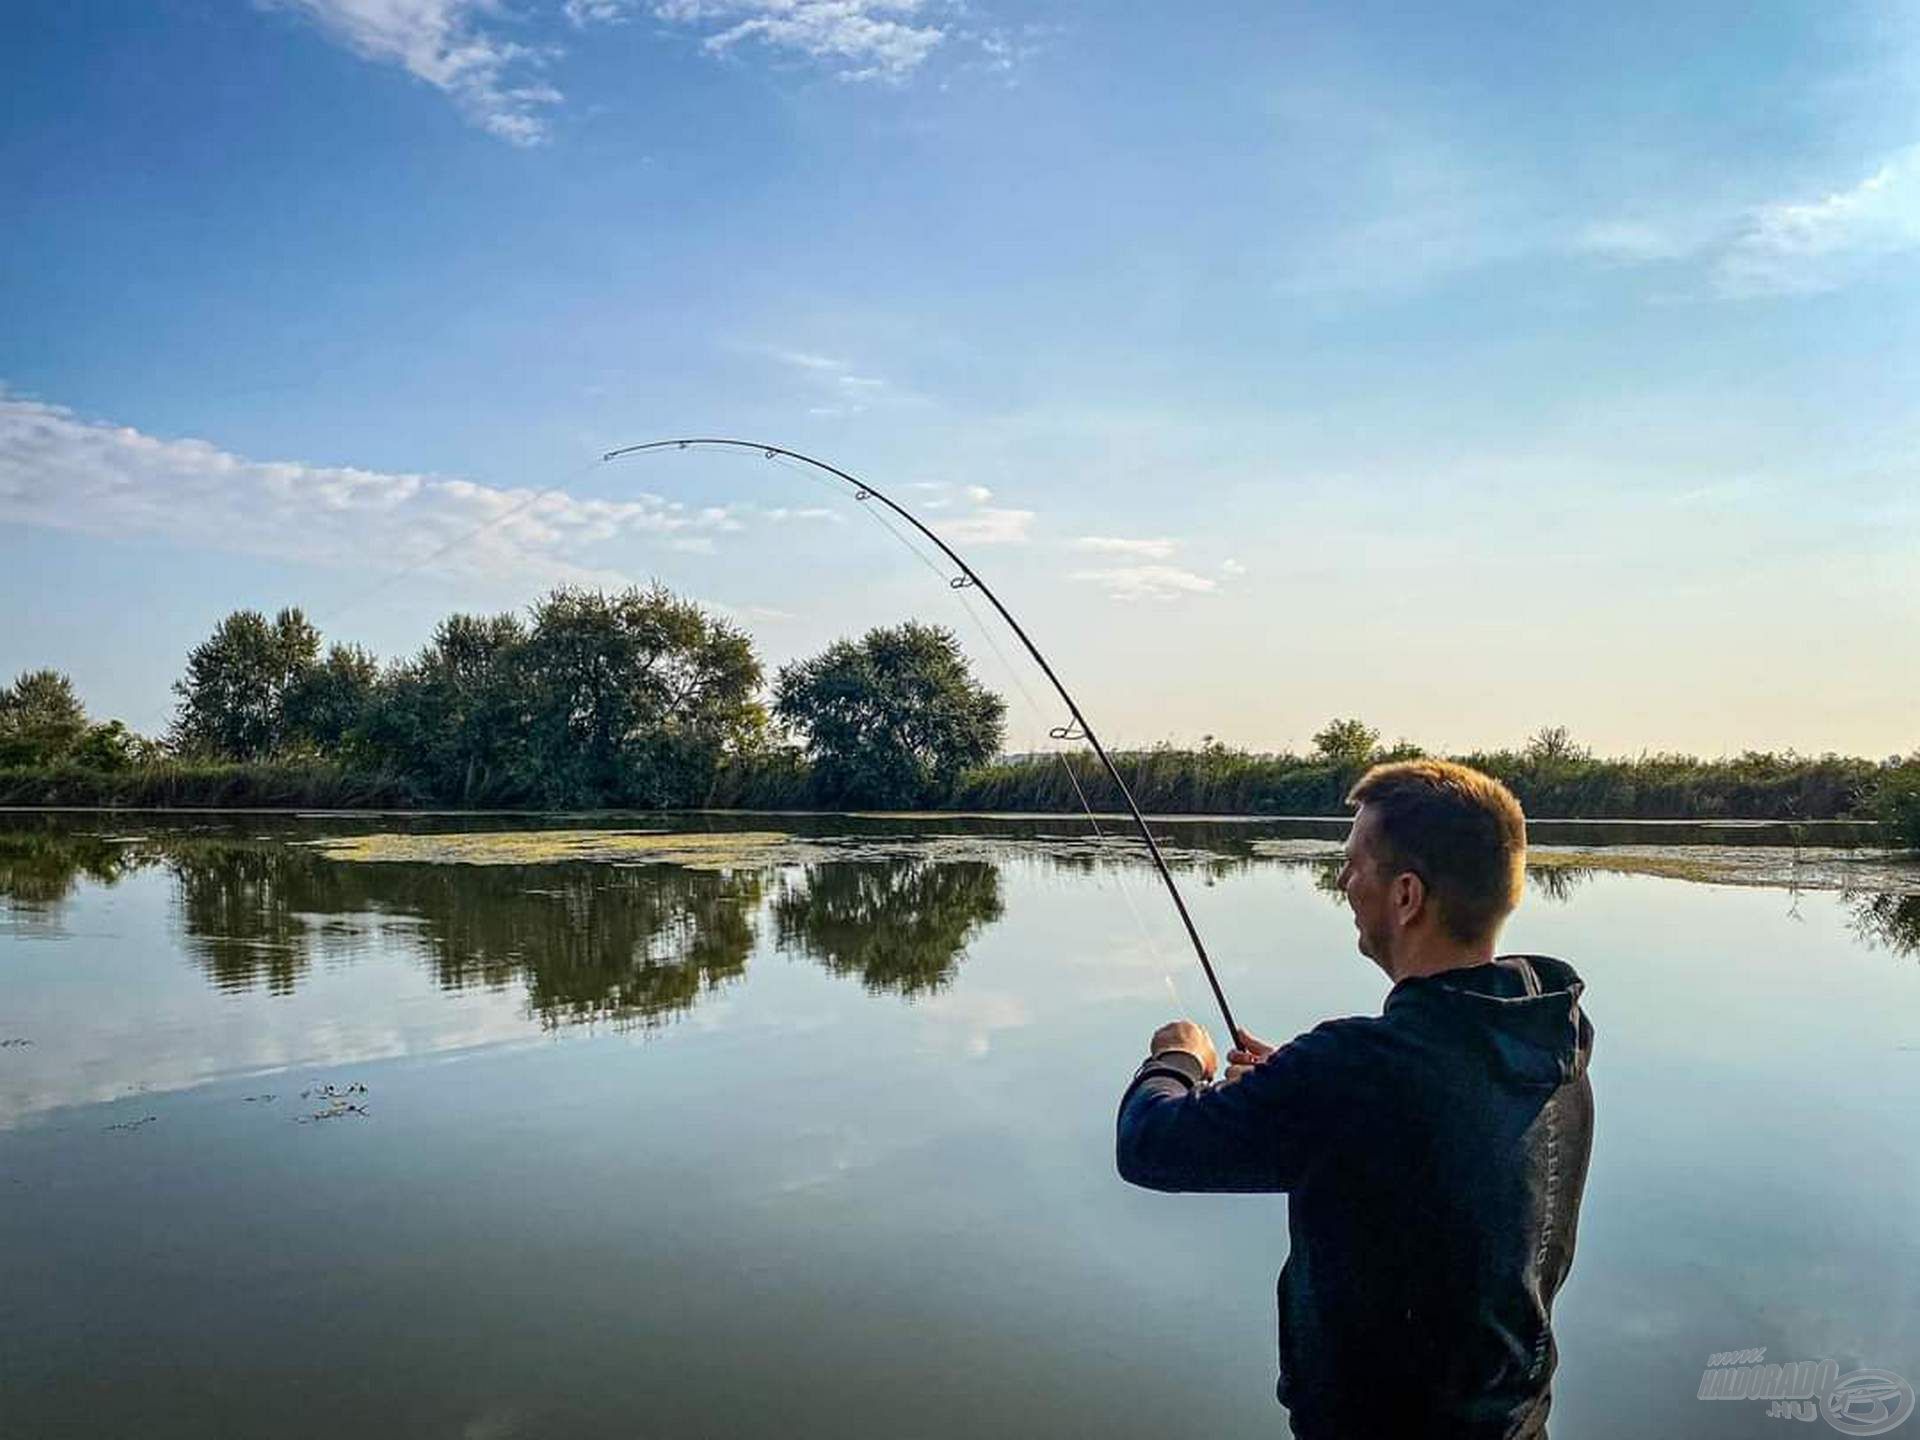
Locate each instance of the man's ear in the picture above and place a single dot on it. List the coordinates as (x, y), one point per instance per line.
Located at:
(1409, 896)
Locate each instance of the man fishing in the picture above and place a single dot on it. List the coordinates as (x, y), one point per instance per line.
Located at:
(1433, 1155)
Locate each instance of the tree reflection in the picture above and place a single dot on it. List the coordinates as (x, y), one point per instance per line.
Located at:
(39, 870)
(589, 942)
(246, 912)
(1891, 921)
(901, 926)
(1557, 883)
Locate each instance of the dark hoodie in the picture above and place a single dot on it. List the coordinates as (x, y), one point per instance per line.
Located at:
(1434, 1157)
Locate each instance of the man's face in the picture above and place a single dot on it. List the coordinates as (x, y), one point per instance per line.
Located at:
(1368, 887)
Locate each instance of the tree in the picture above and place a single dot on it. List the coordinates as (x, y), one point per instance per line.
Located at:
(41, 719)
(633, 698)
(890, 719)
(233, 698)
(454, 718)
(1349, 744)
(1895, 802)
(327, 703)
(1554, 745)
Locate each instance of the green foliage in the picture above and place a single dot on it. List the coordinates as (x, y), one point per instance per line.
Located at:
(109, 748)
(1557, 779)
(233, 698)
(1896, 802)
(41, 719)
(453, 717)
(327, 703)
(893, 718)
(1553, 745)
(163, 783)
(632, 699)
(1350, 744)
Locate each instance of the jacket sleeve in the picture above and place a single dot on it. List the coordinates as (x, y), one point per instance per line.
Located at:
(1258, 1133)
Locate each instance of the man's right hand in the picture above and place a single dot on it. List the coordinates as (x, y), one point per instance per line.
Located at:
(1249, 1050)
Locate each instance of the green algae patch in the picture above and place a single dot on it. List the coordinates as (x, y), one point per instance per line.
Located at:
(555, 847)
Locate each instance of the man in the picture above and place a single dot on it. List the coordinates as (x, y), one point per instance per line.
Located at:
(1434, 1155)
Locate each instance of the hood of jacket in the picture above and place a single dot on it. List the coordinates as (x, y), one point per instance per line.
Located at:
(1524, 1010)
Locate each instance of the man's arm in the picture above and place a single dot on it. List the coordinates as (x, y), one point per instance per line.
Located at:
(1254, 1133)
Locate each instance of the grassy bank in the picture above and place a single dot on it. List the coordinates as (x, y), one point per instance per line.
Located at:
(210, 785)
(1211, 780)
(1232, 782)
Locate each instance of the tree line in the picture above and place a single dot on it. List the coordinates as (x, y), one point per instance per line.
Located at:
(631, 699)
(643, 699)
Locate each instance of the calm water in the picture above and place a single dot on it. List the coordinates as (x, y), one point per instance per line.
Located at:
(821, 1142)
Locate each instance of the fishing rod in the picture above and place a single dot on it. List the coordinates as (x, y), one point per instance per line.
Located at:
(969, 579)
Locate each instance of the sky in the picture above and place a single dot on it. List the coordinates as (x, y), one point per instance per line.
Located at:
(1464, 368)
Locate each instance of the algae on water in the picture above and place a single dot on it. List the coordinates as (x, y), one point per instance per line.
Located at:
(549, 847)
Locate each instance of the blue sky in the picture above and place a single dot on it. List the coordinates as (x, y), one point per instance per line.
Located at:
(1467, 368)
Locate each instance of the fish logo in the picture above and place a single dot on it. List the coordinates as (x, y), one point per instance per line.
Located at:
(1867, 1402)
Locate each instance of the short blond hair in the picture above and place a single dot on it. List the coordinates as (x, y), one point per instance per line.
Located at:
(1463, 833)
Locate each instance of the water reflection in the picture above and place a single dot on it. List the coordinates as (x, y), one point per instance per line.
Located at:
(594, 943)
(901, 926)
(39, 870)
(1891, 922)
(636, 945)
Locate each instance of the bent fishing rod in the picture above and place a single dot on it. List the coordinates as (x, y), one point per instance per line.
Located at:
(967, 579)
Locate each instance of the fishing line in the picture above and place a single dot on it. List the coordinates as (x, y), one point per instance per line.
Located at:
(1064, 757)
(389, 581)
(879, 517)
(968, 578)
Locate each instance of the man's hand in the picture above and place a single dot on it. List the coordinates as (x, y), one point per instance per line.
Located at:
(1187, 1036)
(1248, 1051)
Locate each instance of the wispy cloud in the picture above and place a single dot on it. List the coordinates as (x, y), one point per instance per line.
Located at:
(597, 12)
(467, 49)
(1147, 582)
(857, 39)
(965, 514)
(443, 42)
(834, 386)
(1782, 247)
(62, 471)
(1802, 247)
(1158, 549)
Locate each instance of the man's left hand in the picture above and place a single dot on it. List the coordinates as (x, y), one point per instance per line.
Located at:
(1187, 1036)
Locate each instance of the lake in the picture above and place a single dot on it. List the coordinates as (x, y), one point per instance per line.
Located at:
(780, 1125)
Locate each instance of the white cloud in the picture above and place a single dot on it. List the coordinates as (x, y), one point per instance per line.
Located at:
(1801, 247)
(859, 39)
(1157, 549)
(441, 43)
(1786, 247)
(60, 471)
(968, 516)
(1147, 582)
(1232, 567)
(805, 360)
(601, 12)
(836, 387)
(459, 48)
